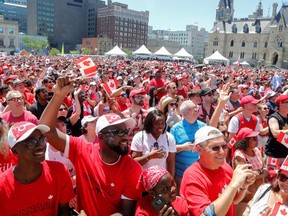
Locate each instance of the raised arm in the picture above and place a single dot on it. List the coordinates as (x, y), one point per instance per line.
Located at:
(49, 117)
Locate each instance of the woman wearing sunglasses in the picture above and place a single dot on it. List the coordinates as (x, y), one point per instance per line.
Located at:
(247, 152)
(153, 145)
(269, 195)
(168, 107)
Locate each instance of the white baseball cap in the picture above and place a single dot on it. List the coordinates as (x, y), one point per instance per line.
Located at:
(202, 135)
(87, 119)
(22, 130)
(113, 119)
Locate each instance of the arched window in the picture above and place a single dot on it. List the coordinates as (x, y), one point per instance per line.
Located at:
(246, 28)
(242, 55)
(255, 44)
(258, 28)
(231, 54)
(280, 28)
(232, 43)
(264, 56)
(234, 28)
(279, 41)
(243, 43)
(215, 41)
(266, 44)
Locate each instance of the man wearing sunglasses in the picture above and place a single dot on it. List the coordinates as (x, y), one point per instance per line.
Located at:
(209, 185)
(33, 185)
(106, 175)
(206, 108)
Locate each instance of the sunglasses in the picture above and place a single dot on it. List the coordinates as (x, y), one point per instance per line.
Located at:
(209, 94)
(282, 177)
(117, 132)
(139, 97)
(123, 95)
(265, 108)
(156, 145)
(218, 148)
(174, 87)
(50, 81)
(16, 99)
(62, 109)
(254, 138)
(31, 143)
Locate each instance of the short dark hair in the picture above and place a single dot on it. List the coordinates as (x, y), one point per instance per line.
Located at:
(150, 118)
(242, 144)
(38, 90)
(193, 93)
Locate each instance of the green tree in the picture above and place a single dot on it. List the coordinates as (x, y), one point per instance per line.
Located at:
(35, 44)
(127, 51)
(74, 52)
(87, 51)
(54, 52)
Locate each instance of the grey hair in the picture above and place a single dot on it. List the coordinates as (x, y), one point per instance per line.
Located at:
(183, 106)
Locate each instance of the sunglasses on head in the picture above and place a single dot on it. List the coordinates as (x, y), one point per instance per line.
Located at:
(172, 104)
(282, 177)
(217, 148)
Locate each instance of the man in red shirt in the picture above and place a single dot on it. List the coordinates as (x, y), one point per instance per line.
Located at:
(158, 83)
(104, 184)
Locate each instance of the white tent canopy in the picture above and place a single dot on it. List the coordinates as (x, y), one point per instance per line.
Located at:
(244, 63)
(216, 57)
(116, 51)
(142, 51)
(162, 53)
(183, 53)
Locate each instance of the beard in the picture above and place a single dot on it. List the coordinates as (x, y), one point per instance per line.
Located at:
(116, 147)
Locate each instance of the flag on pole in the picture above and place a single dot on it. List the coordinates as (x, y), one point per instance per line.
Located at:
(62, 50)
(87, 66)
(238, 61)
(232, 141)
(283, 139)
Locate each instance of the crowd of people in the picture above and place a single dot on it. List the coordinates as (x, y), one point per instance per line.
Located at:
(141, 137)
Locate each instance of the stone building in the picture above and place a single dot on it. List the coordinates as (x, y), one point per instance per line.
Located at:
(8, 35)
(256, 39)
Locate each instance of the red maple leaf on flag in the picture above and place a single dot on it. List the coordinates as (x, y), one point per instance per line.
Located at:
(283, 212)
(86, 63)
(112, 85)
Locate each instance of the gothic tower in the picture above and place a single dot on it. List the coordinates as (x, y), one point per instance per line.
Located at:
(225, 11)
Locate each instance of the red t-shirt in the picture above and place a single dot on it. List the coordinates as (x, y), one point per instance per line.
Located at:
(26, 116)
(41, 197)
(158, 84)
(144, 207)
(7, 161)
(183, 92)
(201, 186)
(100, 186)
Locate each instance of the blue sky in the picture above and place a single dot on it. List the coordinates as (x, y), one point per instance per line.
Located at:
(176, 14)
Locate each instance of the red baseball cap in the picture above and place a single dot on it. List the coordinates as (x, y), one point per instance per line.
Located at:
(246, 132)
(281, 99)
(248, 99)
(137, 91)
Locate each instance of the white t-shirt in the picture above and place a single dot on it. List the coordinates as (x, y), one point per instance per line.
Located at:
(234, 123)
(144, 146)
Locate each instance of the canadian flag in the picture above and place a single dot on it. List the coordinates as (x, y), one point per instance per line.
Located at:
(274, 162)
(283, 139)
(279, 209)
(232, 141)
(111, 85)
(86, 66)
